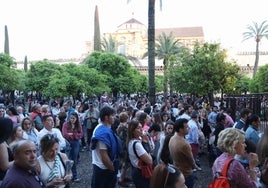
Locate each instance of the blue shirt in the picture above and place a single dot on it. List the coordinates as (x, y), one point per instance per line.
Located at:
(252, 135)
(239, 124)
(193, 134)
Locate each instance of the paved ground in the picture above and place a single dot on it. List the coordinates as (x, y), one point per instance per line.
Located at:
(85, 172)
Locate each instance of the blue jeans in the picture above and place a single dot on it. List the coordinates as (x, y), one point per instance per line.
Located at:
(190, 180)
(138, 180)
(103, 178)
(73, 155)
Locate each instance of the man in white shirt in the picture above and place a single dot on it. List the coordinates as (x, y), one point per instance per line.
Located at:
(187, 112)
(104, 151)
(48, 124)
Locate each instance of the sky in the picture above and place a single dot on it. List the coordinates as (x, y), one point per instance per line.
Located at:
(54, 29)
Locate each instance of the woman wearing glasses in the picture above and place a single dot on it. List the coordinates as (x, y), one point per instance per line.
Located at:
(167, 176)
(136, 151)
(72, 131)
(52, 165)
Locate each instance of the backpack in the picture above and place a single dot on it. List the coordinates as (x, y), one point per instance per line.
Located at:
(222, 181)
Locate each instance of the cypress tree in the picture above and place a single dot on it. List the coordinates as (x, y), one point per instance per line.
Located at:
(6, 48)
(25, 64)
(97, 39)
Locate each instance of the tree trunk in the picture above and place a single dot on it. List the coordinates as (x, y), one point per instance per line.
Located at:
(151, 50)
(165, 78)
(256, 64)
(211, 98)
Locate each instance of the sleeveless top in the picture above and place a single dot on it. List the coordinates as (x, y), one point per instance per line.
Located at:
(10, 158)
(46, 167)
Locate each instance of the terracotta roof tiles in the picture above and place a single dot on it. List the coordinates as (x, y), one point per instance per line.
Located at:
(181, 31)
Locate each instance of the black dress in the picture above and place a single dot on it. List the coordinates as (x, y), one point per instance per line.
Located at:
(10, 158)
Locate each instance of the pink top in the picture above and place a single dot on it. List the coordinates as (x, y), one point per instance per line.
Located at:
(145, 127)
(14, 119)
(71, 134)
(236, 173)
(229, 122)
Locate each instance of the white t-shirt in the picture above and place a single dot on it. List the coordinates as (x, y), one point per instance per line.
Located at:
(96, 157)
(139, 149)
(55, 131)
(47, 166)
(186, 116)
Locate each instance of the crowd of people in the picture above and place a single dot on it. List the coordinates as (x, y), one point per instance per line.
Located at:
(130, 134)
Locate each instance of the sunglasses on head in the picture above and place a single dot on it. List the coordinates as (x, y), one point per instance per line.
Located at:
(170, 170)
(51, 136)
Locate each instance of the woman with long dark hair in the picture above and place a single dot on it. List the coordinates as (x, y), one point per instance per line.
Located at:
(72, 131)
(13, 115)
(136, 151)
(6, 157)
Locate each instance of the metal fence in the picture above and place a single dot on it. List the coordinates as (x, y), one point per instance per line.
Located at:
(258, 103)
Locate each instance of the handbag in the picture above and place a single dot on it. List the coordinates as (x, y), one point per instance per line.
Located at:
(222, 181)
(146, 169)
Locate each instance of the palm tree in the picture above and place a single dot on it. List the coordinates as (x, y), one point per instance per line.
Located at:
(166, 47)
(257, 32)
(151, 48)
(109, 45)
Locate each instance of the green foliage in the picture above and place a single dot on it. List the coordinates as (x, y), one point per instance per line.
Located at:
(40, 74)
(8, 78)
(121, 77)
(22, 80)
(65, 80)
(260, 82)
(203, 71)
(242, 85)
(159, 82)
(93, 81)
(166, 48)
(166, 45)
(256, 32)
(109, 45)
(108, 63)
(7, 60)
